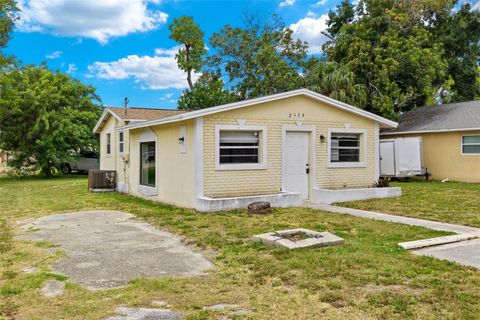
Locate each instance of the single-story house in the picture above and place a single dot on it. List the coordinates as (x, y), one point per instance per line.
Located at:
(450, 136)
(285, 148)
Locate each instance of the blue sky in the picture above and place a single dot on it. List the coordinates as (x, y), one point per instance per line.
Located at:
(122, 47)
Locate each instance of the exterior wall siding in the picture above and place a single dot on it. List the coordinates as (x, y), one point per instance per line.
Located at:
(109, 162)
(442, 155)
(274, 115)
(174, 170)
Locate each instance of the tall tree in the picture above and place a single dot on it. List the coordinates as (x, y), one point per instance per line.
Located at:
(335, 81)
(208, 91)
(258, 59)
(190, 56)
(459, 35)
(44, 116)
(8, 15)
(391, 50)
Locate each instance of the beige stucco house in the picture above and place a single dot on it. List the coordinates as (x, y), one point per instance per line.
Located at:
(450, 136)
(285, 148)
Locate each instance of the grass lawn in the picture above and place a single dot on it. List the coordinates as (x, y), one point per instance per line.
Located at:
(370, 277)
(453, 202)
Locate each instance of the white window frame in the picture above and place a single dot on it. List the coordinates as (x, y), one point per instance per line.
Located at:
(121, 142)
(363, 148)
(108, 142)
(462, 144)
(262, 165)
(148, 135)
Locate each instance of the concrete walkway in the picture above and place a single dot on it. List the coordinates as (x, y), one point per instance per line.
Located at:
(434, 225)
(463, 252)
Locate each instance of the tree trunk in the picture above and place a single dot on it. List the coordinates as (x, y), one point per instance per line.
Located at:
(47, 171)
(189, 71)
(189, 79)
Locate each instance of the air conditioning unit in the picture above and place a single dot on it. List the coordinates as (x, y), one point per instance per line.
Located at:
(102, 180)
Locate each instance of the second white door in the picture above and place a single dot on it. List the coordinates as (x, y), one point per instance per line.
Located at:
(296, 162)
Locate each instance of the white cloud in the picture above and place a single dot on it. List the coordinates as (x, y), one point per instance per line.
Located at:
(287, 3)
(321, 3)
(151, 72)
(166, 96)
(476, 6)
(71, 68)
(95, 19)
(311, 14)
(310, 29)
(54, 55)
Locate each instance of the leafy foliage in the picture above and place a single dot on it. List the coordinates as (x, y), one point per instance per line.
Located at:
(189, 58)
(335, 81)
(391, 52)
(8, 15)
(404, 52)
(259, 59)
(207, 92)
(44, 116)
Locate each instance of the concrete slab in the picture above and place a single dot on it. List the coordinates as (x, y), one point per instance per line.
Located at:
(145, 314)
(418, 244)
(106, 249)
(313, 239)
(53, 288)
(466, 253)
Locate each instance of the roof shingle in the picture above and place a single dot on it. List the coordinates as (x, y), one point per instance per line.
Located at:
(447, 117)
(129, 114)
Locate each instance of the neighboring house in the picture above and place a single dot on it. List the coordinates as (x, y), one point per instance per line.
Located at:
(450, 139)
(284, 148)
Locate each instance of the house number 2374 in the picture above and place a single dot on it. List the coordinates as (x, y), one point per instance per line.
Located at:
(296, 115)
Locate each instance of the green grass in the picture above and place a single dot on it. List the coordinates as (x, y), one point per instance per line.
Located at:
(453, 202)
(370, 277)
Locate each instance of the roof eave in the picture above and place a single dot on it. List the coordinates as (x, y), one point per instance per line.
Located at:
(428, 131)
(385, 123)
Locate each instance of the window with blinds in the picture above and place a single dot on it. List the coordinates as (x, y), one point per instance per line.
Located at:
(239, 147)
(345, 147)
(471, 144)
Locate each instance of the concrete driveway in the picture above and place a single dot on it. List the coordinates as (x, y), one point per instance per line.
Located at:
(466, 252)
(106, 249)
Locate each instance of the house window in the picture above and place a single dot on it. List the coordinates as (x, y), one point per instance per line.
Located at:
(121, 141)
(109, 146)
(471, 144)
(239, 147)
(147, 163)
(345, 147)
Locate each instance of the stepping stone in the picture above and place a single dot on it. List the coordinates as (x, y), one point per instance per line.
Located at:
(145, 314)
(222, 306)
(53, 288)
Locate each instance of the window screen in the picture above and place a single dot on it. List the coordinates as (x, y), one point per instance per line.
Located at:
(345, 147)
(471, 144)
(147, 164)
(239, 147)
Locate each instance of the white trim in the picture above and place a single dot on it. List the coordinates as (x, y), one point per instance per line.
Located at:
(107, 143)
(312, 129)
(461, 145)
(182, 134)
(364, 149)
(329, 196)
(376, 167)
(262, 165)
(122, 142)
(236, 105)
(106, 111)
(148, 135)
(198, 158)
(428, 131)
(282, 200)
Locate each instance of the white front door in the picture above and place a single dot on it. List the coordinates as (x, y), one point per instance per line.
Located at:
(296, 162)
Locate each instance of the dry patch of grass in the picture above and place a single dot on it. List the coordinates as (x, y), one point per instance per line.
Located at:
(452, 202)
(369, 277)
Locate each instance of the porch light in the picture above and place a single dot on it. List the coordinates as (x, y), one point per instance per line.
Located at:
(322, 138)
